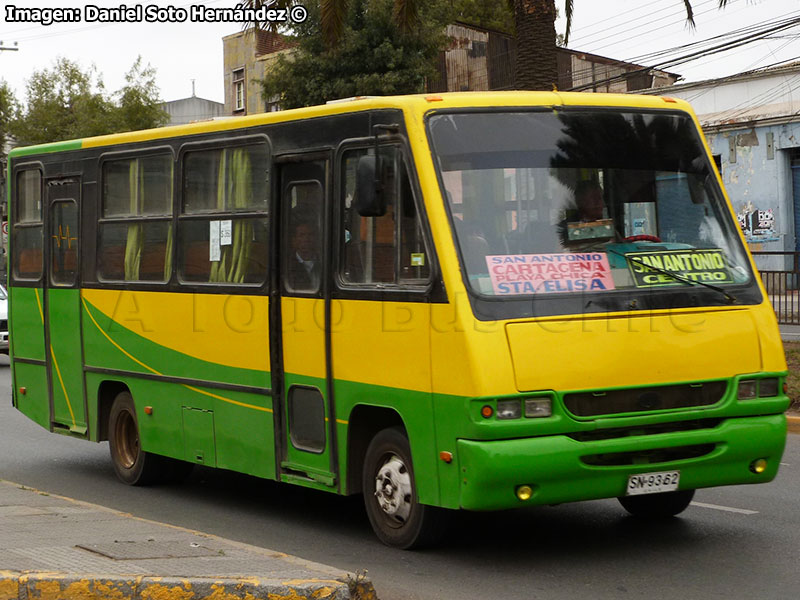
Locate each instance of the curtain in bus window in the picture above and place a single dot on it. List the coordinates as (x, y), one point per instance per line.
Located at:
(133, 245)
(233, 189)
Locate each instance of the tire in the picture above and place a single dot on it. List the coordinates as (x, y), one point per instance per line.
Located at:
(657, 506)
(390, 495)
(132, 465)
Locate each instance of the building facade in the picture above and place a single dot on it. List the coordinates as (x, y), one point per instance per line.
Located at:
(247, 56)
(480, 59)
(192, 109)
(752, 124)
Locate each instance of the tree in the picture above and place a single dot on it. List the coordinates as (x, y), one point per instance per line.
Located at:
(534, 24)
(490, 14)
(372, 57)
(8, 105)
(138, 102)
(65, 102)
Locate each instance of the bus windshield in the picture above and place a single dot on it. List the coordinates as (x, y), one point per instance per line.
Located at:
(585, 201)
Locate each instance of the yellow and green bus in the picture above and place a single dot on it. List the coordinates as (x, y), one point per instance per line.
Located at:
(473, 301)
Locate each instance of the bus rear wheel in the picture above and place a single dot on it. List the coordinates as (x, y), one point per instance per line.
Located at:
(132, 465)
(390, 495)
(654, 506)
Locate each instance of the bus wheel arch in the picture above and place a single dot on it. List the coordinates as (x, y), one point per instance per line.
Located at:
(132, 465)
(390, 495)
(364, 423)
(106, 394)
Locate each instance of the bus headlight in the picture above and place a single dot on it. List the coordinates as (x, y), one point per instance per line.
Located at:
(748, 389)
(509, 409)
(768, 388)
(538, 407)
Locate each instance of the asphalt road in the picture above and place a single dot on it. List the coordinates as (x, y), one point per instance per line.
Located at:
(743, 542)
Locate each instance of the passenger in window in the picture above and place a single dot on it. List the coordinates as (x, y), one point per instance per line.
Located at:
(304, 266)
(589, 201)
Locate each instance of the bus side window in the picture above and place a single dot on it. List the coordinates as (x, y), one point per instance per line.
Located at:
(136, 223)
(27, 232)
(223, 223)
(388, 249)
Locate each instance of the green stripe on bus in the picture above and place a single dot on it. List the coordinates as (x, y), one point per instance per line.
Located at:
(46, 148)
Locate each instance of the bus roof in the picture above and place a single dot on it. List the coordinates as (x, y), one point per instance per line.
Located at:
(419, 104)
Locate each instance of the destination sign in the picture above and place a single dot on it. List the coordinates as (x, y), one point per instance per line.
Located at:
(707, 266)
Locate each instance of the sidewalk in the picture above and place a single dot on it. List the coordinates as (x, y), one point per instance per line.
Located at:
(55, 548)
(790, 333)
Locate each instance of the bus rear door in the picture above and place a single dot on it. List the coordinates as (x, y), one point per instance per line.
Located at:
(62, 309)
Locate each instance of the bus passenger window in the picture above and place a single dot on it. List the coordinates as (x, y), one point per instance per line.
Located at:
(388, 249)
(223, 225)
(27, 232)
(136, 225)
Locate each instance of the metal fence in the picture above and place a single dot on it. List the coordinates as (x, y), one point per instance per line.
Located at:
(780, 272)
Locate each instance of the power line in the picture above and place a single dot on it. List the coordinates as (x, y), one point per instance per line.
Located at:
(725, 46)
(707, 47)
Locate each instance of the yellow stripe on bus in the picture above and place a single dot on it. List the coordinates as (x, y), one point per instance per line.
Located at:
(232, 331)
(155, 372)
(63, 387)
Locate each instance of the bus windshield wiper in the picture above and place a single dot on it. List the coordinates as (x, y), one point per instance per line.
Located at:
(676, 276)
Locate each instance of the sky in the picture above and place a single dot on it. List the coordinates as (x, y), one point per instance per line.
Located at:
(192, 50)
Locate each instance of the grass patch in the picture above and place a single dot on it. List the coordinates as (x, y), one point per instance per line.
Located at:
(792, 350)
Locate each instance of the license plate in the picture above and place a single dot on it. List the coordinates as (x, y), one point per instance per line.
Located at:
(653, 483)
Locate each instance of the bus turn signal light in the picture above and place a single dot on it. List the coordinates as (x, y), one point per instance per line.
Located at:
(487, 412)
(446, 456)
(148, 410)
(23, 390)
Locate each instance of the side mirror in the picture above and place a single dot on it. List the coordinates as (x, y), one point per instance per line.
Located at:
(369, 199)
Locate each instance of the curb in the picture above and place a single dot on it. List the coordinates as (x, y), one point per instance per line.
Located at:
(304, 580)
(792, 424)
(55, 586)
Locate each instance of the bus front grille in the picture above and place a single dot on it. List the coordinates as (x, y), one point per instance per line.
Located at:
(665, 397)
(621, 432)
(648, 457)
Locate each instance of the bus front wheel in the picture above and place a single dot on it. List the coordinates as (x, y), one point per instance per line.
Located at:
(390, 494)
(132, 465)
(665, 504)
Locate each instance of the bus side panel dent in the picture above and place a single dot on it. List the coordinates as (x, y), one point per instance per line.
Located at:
(552, 466)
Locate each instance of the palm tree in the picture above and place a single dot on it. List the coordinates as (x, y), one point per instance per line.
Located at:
(534, 21)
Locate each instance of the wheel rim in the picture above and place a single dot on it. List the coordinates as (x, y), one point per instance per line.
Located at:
(126, 439)
(393, 490)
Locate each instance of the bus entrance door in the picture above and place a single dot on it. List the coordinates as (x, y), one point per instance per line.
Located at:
(307, 452)
(62, 306)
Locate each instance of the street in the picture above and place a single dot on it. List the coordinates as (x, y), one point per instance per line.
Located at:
(737, 542)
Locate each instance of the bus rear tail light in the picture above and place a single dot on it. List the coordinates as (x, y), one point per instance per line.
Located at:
(509, 409)
(538, 407)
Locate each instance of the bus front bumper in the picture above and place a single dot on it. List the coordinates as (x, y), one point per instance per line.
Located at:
(558, 467)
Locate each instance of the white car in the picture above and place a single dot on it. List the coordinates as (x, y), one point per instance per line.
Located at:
(3, 320)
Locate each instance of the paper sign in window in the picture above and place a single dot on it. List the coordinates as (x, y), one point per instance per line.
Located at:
(514, 274)
(214, 241)
(226, 233)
